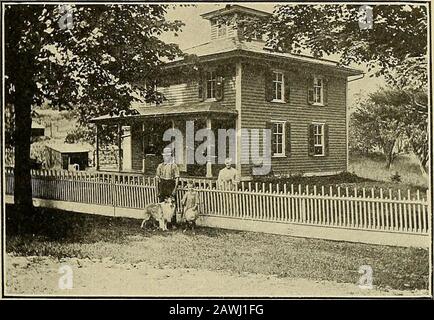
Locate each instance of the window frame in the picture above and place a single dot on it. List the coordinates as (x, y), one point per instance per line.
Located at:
(212, 80)
(221, 26)
(282, 86)
(322, 135)
(321, 102)
(283, 142)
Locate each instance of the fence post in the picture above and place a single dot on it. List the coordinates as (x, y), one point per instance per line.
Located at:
(419, 212)
(428, 211)
(302, 205)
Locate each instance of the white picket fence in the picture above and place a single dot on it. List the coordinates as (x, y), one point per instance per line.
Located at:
(343, 208)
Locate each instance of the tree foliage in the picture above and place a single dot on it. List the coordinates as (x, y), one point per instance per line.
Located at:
(396, 46)
(387, 116)
(97, 66)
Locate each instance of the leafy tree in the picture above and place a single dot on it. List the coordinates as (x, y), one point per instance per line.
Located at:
(96, 66)
(388, 115)
(358, 140)
(406, 105)
(396, 46)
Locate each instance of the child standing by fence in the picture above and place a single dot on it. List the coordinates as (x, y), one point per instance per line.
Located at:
(190, 204)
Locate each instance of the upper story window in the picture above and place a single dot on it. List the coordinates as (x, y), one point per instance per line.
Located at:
(318, 139)
(221, 29)
(278, 139)
(278, 86)
(318, 91)
(211, 81)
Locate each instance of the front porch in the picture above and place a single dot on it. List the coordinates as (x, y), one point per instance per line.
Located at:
(134, 143)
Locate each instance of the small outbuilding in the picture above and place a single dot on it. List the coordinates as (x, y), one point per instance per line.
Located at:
(38, 130)
(67, 156)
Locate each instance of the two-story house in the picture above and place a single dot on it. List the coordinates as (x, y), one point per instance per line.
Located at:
(243, 85)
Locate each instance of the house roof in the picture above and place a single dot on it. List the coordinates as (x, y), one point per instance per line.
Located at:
(68, 147)
(36, 125)
(196, 108)
(221, 48)
(234, 9)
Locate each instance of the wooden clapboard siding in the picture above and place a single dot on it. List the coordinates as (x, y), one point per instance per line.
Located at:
(180, 93)
(231, 30)
(256, 111)
(187, 92)
(213, 31)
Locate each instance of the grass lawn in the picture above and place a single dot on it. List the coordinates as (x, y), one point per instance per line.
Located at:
(63, 234)
(374, 168)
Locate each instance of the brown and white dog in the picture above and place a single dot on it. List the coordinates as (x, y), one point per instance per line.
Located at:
(161, 212)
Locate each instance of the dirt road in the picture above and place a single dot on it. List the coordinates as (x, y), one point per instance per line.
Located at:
(40, 276)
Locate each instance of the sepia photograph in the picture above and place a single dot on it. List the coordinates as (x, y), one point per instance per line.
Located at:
(216, 150)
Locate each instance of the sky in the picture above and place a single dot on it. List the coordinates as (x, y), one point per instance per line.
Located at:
(197, 31)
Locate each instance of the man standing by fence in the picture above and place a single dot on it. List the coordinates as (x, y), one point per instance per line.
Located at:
(227, 179)
(167, 177)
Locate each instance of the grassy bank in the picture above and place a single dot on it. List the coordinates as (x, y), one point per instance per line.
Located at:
(373, 167)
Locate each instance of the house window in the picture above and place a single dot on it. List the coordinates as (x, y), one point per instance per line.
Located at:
(318, 90)
(278, 147)
(211, 80)
(318, 139)
(221, 30)
(278, 86)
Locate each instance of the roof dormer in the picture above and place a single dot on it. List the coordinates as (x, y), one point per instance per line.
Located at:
(224, 21)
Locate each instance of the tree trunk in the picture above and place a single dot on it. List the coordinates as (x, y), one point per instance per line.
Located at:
(23, 124)
(423, 165)
(389, 154)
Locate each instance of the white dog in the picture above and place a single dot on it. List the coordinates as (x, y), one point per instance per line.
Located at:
(161, 212)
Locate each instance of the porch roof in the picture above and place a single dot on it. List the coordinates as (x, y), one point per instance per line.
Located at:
(205, 108)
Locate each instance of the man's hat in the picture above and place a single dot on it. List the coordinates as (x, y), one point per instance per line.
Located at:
(167, 151)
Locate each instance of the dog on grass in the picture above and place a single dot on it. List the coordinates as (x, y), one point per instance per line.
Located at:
(161, 212)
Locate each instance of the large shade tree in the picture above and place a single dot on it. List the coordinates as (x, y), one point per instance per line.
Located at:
(91, 57)
(388, 115)
(395, 46)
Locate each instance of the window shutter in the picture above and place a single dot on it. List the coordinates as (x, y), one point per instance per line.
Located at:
(287, 88)
(309, 84)
(219, 88)
(269, 125)
(326, 139)
(288, 138)
(201, 88)
(311, 141)
(268, 85)
(326, 90)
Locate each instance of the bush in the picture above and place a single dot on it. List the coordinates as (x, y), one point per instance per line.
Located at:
(396, 177)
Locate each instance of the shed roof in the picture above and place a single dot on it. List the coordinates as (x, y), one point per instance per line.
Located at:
(36, 125)
(68, 147)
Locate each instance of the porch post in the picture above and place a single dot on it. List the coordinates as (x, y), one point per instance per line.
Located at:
(97, 146)
(238, 125)
(120, 147)
(210, 152)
